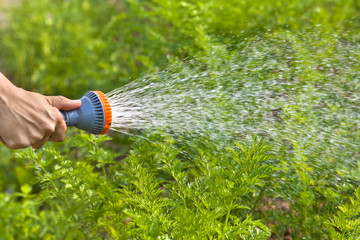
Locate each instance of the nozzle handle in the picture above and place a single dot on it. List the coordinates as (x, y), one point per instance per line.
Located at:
(71, 118)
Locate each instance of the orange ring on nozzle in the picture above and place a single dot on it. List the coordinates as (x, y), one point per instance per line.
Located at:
(107, 110)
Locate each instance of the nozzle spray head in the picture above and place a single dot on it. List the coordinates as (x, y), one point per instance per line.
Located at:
(94, 115)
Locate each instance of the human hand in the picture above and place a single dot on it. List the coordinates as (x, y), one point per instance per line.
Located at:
(31, 119)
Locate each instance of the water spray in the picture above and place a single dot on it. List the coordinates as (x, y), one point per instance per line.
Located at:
(94, 115)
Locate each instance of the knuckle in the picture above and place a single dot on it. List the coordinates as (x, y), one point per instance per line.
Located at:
(55, 115)
(49, 99)
(49, 128)
(61, 126)
(59, 117)
(62, 100)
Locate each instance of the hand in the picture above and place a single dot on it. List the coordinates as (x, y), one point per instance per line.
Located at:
(31, 119)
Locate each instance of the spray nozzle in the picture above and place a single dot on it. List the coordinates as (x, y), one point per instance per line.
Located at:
(94, 115)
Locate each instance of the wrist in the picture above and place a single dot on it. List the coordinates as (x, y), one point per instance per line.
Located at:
(7, 90)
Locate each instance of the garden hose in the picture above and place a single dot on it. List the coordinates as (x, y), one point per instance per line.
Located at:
(94, 115)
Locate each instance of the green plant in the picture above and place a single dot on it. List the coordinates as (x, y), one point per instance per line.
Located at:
(156, 191)
(24, 216)
(295, 66)
(345, 225)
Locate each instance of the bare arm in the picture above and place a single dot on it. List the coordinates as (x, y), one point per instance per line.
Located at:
(31, 119)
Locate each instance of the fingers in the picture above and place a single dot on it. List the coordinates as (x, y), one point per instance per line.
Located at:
(40, 143)
(12, 145)
(59, 134)
(63, 103)
(19, 143)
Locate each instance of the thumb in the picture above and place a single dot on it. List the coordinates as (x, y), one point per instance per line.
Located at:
(63, 103)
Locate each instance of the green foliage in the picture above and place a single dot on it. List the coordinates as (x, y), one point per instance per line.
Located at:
(22, 219)
(64, 47)
(346, 224)
(298, 182)
(156, 191)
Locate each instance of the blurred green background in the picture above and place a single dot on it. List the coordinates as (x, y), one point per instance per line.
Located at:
(67, 47)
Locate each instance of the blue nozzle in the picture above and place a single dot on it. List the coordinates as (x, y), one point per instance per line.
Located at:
(89, 117)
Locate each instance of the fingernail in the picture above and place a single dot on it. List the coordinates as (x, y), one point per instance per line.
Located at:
(76, 101)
